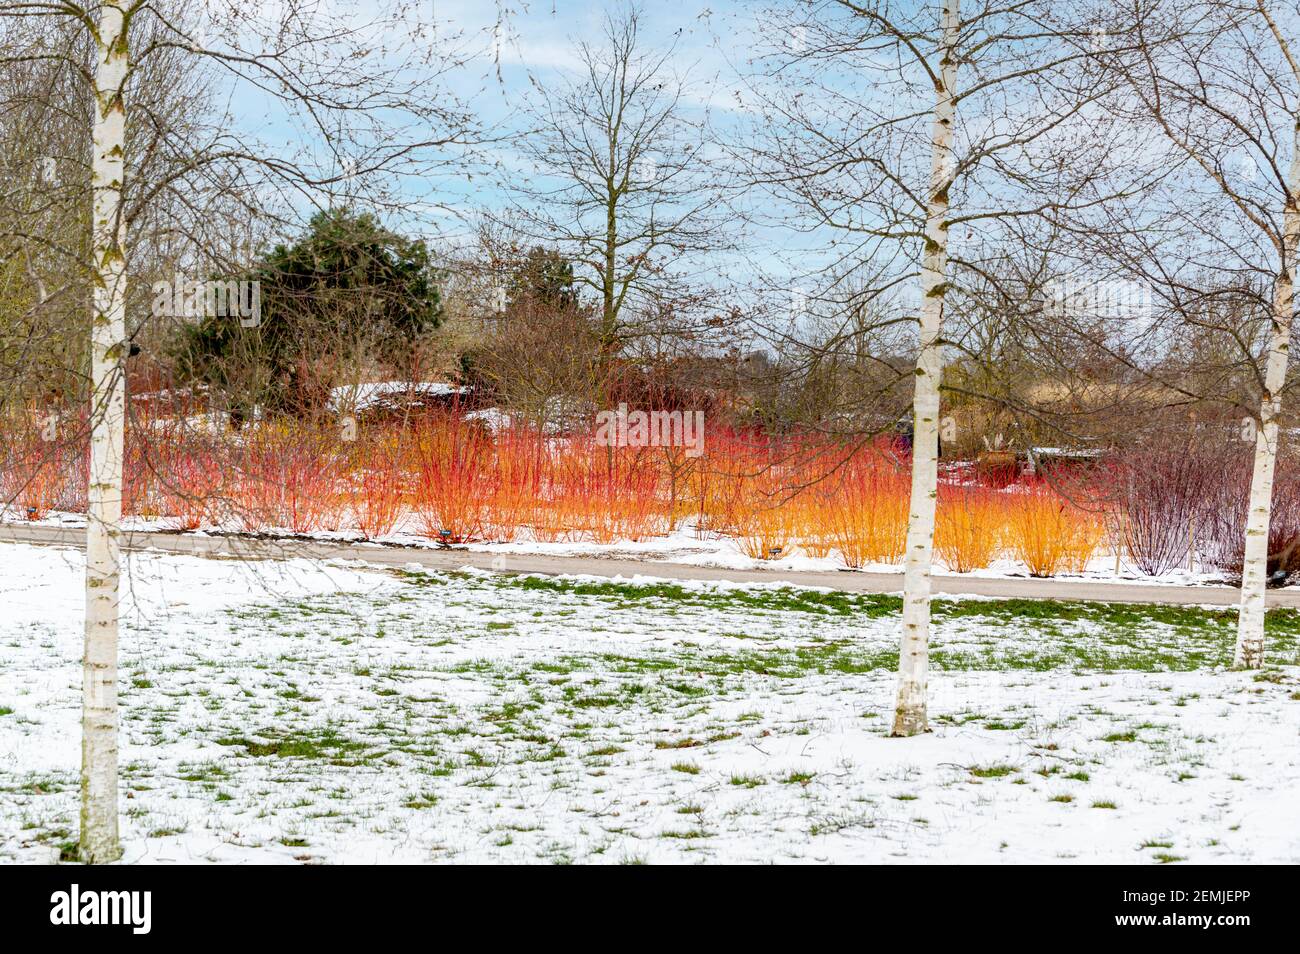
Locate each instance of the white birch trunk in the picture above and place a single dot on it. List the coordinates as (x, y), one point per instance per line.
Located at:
(99, 834)
(1254, 570)
(914, 651)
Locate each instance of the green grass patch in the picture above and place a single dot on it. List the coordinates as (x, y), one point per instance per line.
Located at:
(992, 771)
(325, 745)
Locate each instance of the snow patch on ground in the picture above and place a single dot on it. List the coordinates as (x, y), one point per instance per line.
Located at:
(292, 711)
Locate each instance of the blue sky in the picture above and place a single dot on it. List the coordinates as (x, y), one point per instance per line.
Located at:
(534, 42)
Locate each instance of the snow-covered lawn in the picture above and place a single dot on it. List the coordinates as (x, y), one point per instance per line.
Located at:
(290, 711)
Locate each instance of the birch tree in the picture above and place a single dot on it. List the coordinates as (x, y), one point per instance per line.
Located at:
(913, 137)
(1249, 652)
(363, 105)
(99, 837)
(913, 661)
(1220, 82)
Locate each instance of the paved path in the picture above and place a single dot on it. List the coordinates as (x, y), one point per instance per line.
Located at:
(241, 547)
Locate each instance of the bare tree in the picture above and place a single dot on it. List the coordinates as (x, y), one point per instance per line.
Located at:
(623, 181)
(368, 88)
(916, 139)
(99, 839)
(1219, 81)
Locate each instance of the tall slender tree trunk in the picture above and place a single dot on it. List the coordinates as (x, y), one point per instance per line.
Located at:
(99, 835)
(608, 343)
(914, 651)
(1254, 572)
(608, 317)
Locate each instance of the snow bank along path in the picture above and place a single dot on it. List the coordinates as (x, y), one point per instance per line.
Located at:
(516, 560)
